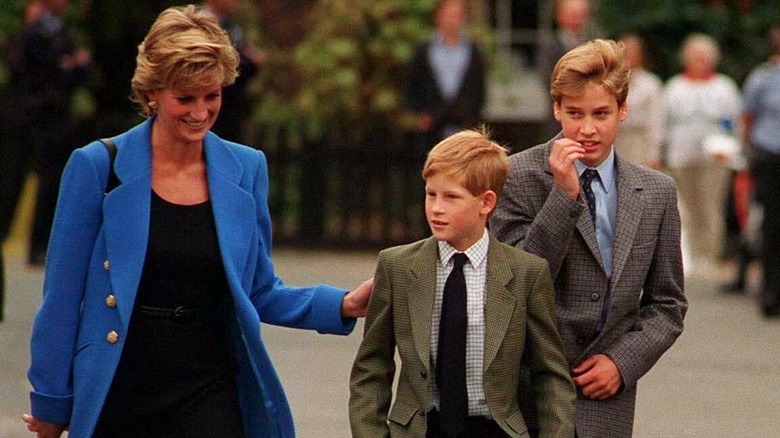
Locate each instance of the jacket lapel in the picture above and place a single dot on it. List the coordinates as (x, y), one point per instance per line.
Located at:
(499, 304)
(587, 230)
(126, 216)
(628, 216)
(234, 208)
(420, 298)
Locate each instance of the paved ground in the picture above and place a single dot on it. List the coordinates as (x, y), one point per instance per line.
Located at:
(721, 379)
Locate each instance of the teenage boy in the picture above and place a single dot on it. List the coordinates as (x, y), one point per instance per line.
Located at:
(462, 309)
(612, 240)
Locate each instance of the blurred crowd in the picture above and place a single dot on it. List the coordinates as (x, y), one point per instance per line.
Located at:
(716, 138)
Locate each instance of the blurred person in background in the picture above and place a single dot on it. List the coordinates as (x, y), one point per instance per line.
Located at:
(761, 120)
(446, 78)
(700, 102)
(642, 133)
(50, 69)
(573, 26)
(235, 103)
(445, 91)
(14, 125)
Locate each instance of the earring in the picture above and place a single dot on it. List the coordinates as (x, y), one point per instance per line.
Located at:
(153, 104)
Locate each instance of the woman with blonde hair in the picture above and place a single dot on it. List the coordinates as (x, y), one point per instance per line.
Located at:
(156, 283)
(700, 102)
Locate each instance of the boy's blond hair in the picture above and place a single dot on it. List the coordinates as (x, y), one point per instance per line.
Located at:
(471, 156)
(602, 62)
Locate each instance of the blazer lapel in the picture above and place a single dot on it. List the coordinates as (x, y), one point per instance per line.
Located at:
(420, 298)
(628, 216)
(587, 230)
(126, 217)
(234, 208)
(500, 303)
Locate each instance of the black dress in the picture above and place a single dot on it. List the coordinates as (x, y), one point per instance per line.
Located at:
(176, 377)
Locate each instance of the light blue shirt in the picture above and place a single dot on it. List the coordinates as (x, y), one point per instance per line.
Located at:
(762, 101)
(605, 190)
(449, 64)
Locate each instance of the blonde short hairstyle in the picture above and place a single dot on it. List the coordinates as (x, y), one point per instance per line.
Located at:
(472, 157)
(185, 48)
(602, 62)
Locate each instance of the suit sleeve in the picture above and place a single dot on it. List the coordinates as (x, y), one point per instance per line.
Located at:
(316, 307)
(55, 329)
(663, 304)
(554, 392)
(371, 379)
(531, 219)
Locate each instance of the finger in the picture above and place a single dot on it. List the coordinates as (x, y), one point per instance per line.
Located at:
(601, 394)
(584, 366)
(584, 380)
(562, 152)
(590, 389)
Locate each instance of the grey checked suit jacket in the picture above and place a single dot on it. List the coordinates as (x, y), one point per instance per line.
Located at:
(644, 300)
(519, 314)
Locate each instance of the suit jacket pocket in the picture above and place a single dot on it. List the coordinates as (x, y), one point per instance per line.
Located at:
(517, 424)
(640, 258)
(402, 413)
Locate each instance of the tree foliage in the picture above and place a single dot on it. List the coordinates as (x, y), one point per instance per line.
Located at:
(342, 61)
(346, 68)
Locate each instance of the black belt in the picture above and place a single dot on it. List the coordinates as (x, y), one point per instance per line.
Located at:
(180, 314)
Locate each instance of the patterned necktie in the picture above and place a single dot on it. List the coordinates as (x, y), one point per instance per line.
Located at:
(586, 178)
(451, 358)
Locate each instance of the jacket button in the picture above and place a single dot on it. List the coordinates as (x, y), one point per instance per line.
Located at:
(594, 296)
(424, 374)
(106, 265)
(112, 337)
(111, 301)
(581, 340)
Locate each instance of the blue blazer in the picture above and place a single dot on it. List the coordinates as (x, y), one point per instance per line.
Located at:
(94, 264)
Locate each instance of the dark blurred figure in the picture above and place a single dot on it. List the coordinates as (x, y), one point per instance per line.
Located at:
(50, 68)
(235, 104)
(445, 89)
(16, 160)
(572, 28)
(762, 134)
(740, 243)
(446, 79)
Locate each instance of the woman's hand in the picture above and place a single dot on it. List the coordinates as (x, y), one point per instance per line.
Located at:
(42, 428)
(355, 303)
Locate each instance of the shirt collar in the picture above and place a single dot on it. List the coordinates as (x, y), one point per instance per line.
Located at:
(477, 253)
(606, 170)
(438, 41)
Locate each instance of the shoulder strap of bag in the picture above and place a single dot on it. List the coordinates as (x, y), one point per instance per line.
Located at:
(113, 180)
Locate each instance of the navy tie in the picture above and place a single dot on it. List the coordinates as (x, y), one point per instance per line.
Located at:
(586, 178)
(451, 358)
